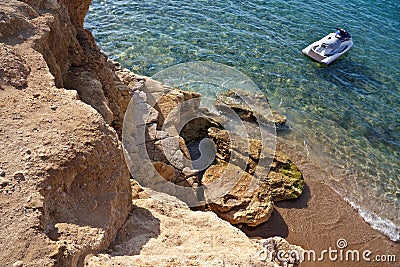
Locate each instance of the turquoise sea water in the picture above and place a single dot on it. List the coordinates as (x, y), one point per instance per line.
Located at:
(346, 117)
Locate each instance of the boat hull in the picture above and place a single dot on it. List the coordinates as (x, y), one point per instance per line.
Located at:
(318, 53)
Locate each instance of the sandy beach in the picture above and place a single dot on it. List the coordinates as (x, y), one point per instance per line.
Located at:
(319, 218)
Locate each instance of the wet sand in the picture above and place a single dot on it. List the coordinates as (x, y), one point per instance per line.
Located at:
(319, 218)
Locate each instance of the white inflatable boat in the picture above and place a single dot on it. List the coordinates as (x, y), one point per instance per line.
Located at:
(330, 47)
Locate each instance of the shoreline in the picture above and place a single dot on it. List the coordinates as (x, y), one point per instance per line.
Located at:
(66, 192)
(320, 217)
(296, 86)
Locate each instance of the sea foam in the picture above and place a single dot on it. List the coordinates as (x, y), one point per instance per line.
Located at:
(385, 226)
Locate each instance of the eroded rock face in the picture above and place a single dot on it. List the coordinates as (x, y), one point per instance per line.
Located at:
(86, 191)
(13, 68)
(284, 179)
(90, 91)
(155, 137)
(15, 17)
(65, 187)
(154, 149)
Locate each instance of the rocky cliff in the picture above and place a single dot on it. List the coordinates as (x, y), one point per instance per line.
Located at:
(65, 189)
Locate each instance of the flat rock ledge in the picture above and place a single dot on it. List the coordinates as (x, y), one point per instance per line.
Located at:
(158, 234)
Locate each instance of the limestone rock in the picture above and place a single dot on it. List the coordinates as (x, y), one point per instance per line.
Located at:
(14, 70)
(159, 234)
(18, 264)
(275, 245)
(165, 170)
(90, 91)
(69, 191)
(4, 182)
(172, 150)
(74, 192)
(77, 10)
(197, 129)
(189, 172)
(238, 163)
(178, 102)
(15, 17)
(284, 179)
(239, 204)
(247, 106)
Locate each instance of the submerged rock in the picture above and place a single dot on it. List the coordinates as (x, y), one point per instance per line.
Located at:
(247, 106)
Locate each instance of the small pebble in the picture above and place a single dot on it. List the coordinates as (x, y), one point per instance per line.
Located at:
(19, 176)
(18, 264)
(2, 173)
(189, 172)
(1, 35)
(4, 182)
(53, 107)
(21, 37)
(22, 82)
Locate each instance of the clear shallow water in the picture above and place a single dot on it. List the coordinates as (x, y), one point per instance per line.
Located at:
(347, 115)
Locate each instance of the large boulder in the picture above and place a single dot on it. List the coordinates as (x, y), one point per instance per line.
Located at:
(242, 203)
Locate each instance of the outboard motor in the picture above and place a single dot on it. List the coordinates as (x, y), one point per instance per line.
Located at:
(342, 34)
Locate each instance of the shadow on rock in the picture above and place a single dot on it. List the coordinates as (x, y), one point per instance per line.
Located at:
(275, 226)
(299, 203)
(139, 228)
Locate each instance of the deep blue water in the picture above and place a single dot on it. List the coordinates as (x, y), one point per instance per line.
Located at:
(346, 116)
